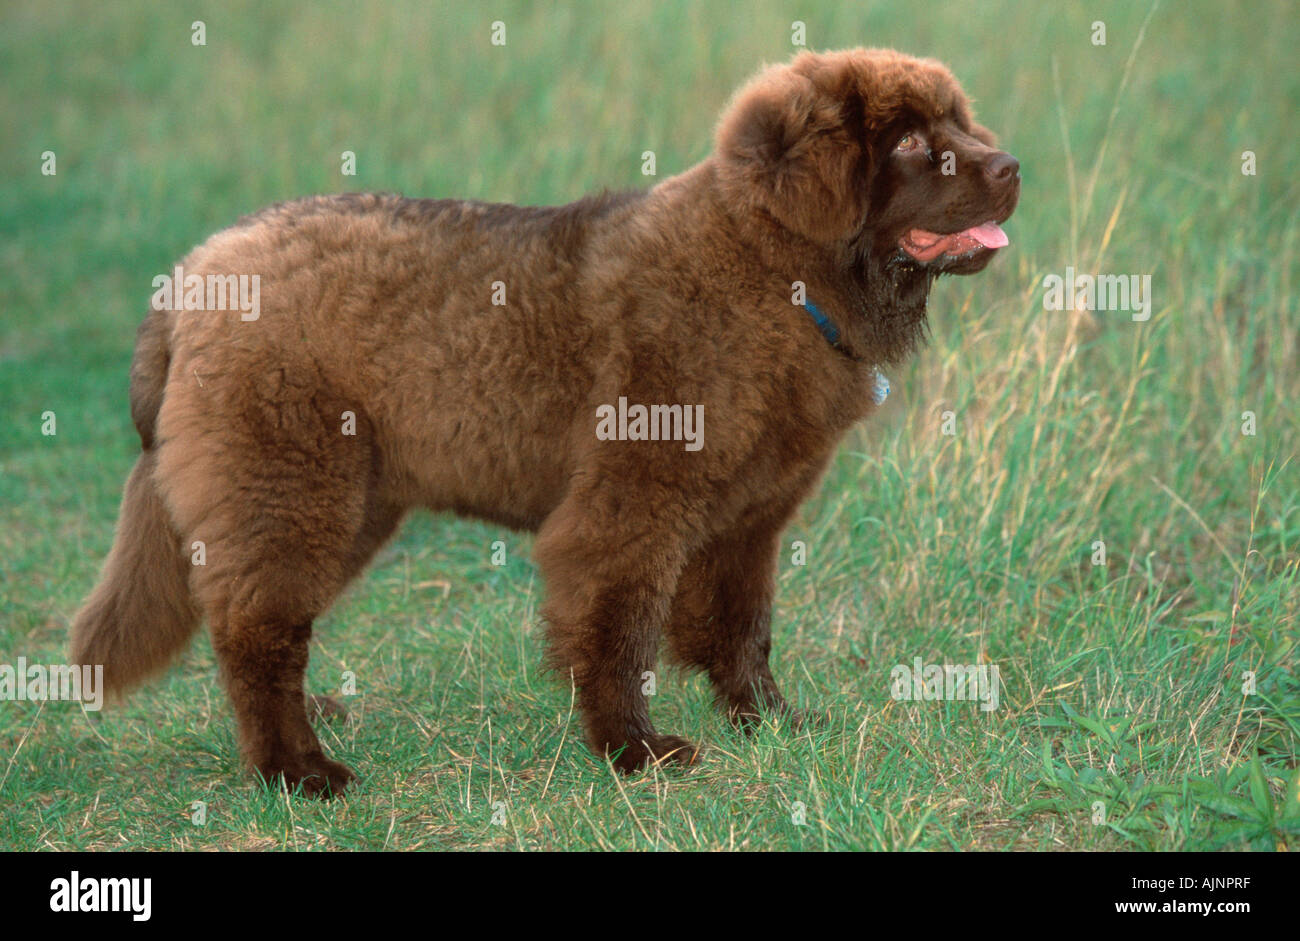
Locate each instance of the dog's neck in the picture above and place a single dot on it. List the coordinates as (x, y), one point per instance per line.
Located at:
(875, 307)
(883, 319)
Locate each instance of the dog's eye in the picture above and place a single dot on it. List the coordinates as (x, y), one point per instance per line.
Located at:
(907, 142)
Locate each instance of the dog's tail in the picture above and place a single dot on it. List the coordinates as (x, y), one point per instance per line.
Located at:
(141, 614)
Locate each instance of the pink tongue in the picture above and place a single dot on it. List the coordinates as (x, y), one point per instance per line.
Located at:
(990, 235)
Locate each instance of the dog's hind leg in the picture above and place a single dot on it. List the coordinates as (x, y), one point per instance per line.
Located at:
(282, 499)
(263, 660)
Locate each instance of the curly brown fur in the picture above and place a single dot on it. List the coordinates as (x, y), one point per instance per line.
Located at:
(381, 307)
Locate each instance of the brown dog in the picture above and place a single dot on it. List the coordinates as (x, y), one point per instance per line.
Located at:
(548, 369)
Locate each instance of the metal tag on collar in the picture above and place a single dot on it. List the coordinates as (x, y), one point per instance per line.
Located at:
(879, 387)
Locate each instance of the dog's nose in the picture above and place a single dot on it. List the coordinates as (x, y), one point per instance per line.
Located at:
(1002, 166)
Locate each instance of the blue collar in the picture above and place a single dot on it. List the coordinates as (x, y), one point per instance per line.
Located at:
(824, 324)
(880, 385)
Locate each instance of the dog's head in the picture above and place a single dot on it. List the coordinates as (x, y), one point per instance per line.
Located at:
(873, 152)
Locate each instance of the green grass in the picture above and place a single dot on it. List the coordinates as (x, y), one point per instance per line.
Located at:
(1122, 682)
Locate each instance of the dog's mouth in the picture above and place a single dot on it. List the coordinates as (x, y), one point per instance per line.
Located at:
(928, 246)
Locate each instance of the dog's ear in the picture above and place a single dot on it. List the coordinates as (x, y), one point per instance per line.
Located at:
(784, 146)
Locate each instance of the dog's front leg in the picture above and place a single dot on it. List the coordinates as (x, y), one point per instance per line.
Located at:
(610, 578)
(721, 619)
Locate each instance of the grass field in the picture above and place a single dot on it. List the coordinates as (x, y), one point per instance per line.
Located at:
(1122, 723)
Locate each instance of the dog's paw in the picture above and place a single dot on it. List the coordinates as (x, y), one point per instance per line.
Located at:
(313, 776)
(656, 750)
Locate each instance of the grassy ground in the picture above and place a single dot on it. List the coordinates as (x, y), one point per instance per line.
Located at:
(1122, 682)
